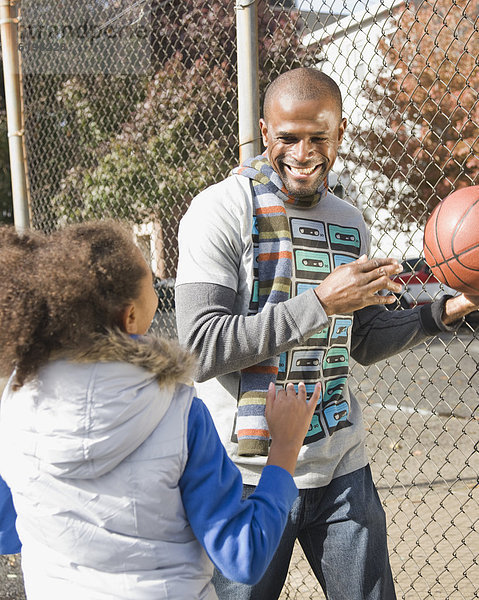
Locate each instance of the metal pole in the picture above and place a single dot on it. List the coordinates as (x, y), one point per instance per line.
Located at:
(248, 80)
(11, 74)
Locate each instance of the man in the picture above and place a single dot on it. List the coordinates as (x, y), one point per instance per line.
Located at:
(274, 284)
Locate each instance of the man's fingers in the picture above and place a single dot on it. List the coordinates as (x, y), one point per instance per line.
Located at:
(388, 299)
(385, 271)
(380, 266)
(379, 272)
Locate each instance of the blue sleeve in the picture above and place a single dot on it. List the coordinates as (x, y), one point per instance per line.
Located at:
(240, 536)
(9, 542)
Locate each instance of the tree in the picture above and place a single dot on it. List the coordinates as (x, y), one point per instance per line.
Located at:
(181, 133)
(423, 108)
(158, 158)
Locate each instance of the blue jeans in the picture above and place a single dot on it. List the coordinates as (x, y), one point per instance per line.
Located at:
(342, 530)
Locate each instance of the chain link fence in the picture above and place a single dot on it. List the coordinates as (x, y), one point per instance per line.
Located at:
(131, 110)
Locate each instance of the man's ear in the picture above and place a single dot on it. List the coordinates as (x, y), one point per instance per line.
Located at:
(128, 319)
(264, 132)
(342, 129)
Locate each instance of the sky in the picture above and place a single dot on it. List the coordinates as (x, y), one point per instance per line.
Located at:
(335, 6)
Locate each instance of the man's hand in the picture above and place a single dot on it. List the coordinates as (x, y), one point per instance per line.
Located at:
(355, 285)
(458, 307)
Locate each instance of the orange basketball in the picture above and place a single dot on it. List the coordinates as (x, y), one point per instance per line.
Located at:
(451, 240)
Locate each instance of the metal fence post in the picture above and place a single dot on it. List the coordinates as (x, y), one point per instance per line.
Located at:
(11, 73)
(248, 85)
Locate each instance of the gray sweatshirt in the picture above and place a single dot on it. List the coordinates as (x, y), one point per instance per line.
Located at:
(213, 291)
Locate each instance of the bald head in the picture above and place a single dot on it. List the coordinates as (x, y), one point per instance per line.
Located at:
(303, 84)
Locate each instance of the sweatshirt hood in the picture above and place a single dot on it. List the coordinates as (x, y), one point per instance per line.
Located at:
(88, 410)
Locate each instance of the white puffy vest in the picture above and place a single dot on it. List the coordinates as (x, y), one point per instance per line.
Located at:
(123, 535)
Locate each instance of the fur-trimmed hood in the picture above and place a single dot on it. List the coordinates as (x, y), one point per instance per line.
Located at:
(85, 411)
(161, 356)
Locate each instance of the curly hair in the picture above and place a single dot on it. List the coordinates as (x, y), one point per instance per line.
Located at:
(59, 291)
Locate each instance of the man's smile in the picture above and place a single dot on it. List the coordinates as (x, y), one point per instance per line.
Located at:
(302, 171)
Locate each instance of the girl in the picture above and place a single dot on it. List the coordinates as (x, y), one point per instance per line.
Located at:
(122, 487)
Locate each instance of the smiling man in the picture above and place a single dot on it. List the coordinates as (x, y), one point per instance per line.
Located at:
(302, 145)
(274, 284)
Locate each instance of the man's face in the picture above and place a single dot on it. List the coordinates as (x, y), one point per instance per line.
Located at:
(302, 139)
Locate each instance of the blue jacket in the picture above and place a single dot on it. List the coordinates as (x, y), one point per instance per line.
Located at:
(9, 542)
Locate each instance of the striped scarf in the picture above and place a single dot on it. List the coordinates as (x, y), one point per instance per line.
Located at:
(272, 284)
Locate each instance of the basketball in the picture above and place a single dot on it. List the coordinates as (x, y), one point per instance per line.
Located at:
(451, 240)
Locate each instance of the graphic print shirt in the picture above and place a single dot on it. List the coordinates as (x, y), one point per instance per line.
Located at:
(217, 252)
(318, 248)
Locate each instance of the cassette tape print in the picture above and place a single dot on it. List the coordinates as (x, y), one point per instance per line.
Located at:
(336, 408)
(255, 261)
(336, 362)
(334, 390)
(344, 238)
(254, 231)
(308, 233)
(342, 259)
(310, 265)
(282, 367)
(340, 330)
(316, 429)
(336, 416)
(306, 365)
(254, 301)
(320, 338)
(303, 287)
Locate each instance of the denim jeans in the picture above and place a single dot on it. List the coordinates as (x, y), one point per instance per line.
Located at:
(342, 530)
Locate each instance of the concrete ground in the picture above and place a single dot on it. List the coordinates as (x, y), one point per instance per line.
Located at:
(11, 580)
(421, 412)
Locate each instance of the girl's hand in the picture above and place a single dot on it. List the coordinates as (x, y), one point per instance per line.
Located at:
(289, 417)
